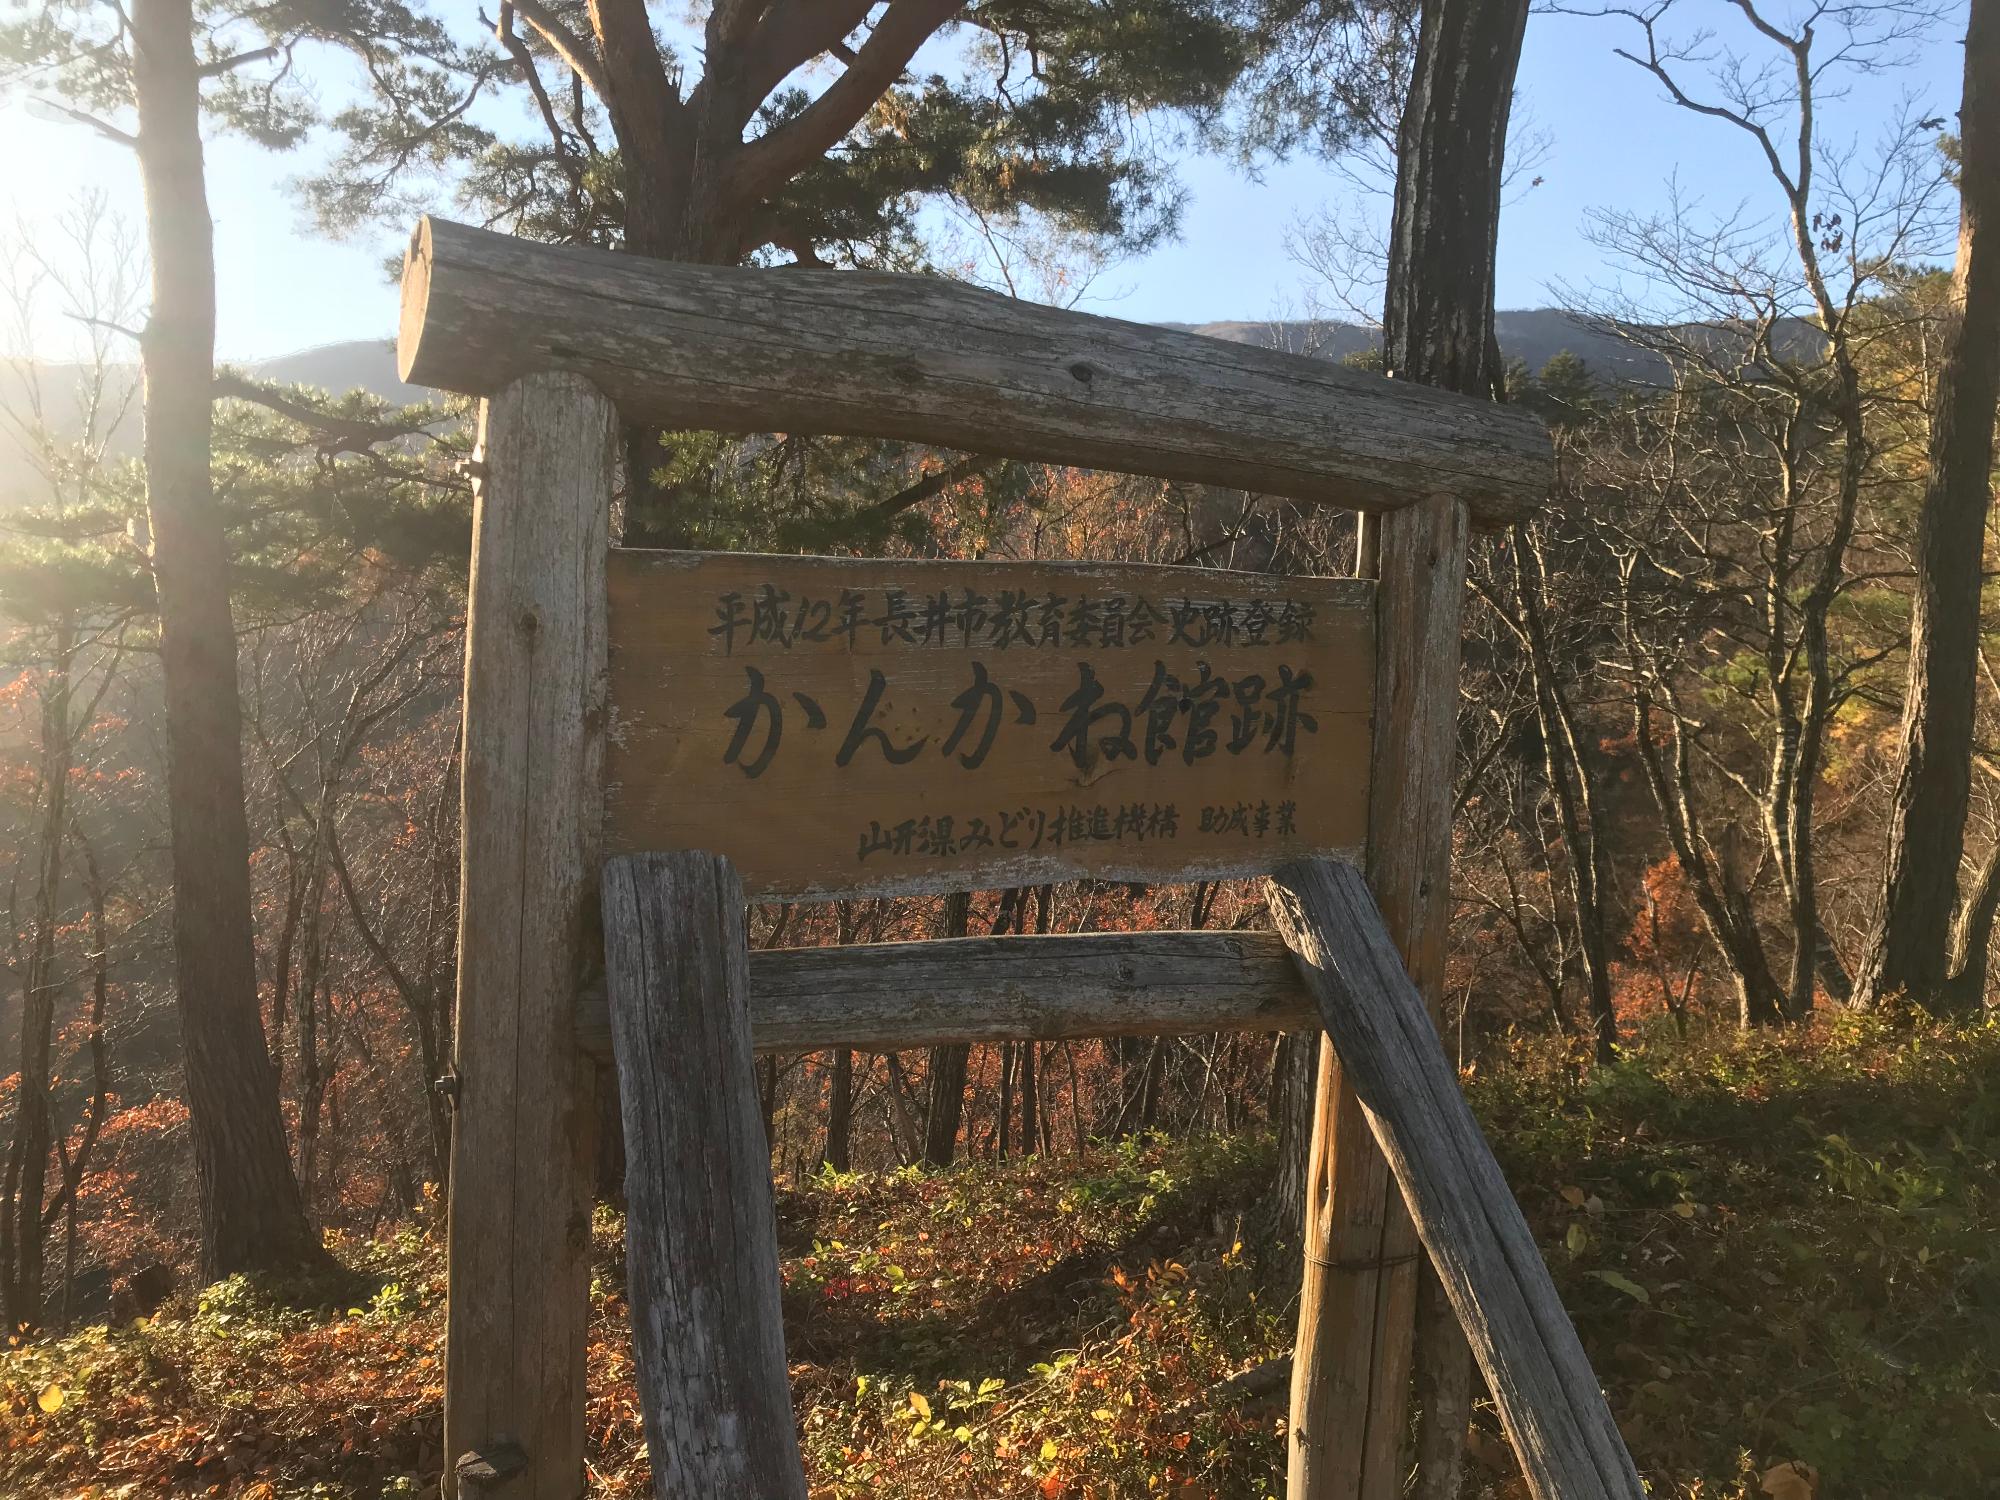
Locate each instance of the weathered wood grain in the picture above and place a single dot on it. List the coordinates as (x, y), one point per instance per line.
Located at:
(1357, 1305)
(701, 1245)
(925, 358)
(518, 1261)
(847, 726)
(1550, 1402)
(890, 997)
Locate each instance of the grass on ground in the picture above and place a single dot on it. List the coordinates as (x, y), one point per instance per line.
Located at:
(1777, 1248)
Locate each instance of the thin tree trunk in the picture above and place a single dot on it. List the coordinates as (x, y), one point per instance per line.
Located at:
(311, 986)
(1003, 1131)
(1718, 893)
(251, 1216)
(944, 1105)
(420, 1000)
(1034, 1105)
(22, 1240)
(1135, 1057)
(909, 1133)
(1031, 1107)
(1153, 1085)
(1973, 941)
(1075, 1097)
(1574, 792)
(944, 1108)
(840, 1112)
(281, 960)
(1281, 1223)
(1798, 852)
(1910, 949)
(75, 1163)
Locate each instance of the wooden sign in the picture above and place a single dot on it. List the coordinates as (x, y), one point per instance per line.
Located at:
(863, 726)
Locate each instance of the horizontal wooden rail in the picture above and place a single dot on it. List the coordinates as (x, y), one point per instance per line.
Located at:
(886, 997)
(874, 354)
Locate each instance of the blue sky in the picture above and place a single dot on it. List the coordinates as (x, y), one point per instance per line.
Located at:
(1613, 141)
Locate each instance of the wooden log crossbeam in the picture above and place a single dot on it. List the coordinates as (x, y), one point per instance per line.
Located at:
(1550, 1402)
(890, 997)
(923, 358)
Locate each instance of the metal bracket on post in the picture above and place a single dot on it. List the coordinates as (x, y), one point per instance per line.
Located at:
(487, 1468)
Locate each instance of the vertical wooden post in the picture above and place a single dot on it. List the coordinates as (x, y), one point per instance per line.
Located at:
(519, 1255)
(1357, 1304)
(701, 1242)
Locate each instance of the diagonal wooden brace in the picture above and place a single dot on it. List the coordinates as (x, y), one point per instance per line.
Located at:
(1549, 1399)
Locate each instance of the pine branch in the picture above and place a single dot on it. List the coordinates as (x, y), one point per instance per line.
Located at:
(566, 44)
(773, 158)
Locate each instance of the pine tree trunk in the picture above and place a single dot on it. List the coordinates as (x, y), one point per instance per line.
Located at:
(1437, 328)
(1910, 948)
(251, 1217)
(673, 211)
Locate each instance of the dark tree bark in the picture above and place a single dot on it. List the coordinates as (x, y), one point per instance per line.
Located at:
(1031, 1100)
(1004, 1121)
(1035, 1128)
(1437, 317)
(839, 1153)
(944, 1102)
(1437, 328)
(1972, 942)
(1910, 948)
(1280, 1223)
(251, 1216)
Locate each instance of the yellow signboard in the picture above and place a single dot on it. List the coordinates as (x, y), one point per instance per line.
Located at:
(842, 726)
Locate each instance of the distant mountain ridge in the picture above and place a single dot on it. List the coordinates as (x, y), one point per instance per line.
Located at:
(1534, 336)
(369, 364)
